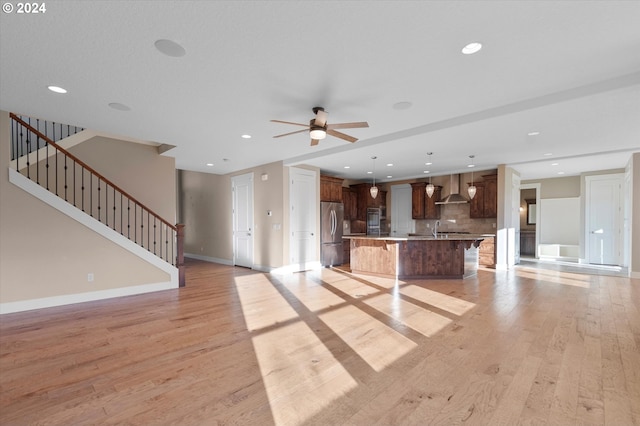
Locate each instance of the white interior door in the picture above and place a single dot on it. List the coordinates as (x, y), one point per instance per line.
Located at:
(304, 215)
(401, 221)
(603, 219)
(242, 192)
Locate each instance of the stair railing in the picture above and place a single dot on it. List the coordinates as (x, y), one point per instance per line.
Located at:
(43, 161)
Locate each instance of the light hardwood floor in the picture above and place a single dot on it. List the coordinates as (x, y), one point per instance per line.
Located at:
(526, 346)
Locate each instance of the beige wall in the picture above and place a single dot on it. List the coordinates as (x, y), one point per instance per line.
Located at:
(205, 207)
(44, 253)
(136, 168)
(563, 187)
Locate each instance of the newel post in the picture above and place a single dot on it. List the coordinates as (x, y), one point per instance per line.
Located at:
(180, 253)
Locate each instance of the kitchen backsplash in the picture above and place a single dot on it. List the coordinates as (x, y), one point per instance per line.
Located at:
(455, 218)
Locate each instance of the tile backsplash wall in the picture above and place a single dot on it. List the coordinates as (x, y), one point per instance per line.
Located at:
(455, 217)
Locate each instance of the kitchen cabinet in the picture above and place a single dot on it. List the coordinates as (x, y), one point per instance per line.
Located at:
(423, 207)
(364, 199)
(528, 243)
(485, 203)
(431, 209)
(350, 201)
(330, 189)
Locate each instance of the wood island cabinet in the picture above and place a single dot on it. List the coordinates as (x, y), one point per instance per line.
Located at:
(330, 188)
(485, 203)
(423, 207)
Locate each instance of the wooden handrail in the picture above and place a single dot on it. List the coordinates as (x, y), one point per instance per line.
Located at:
(90, 169)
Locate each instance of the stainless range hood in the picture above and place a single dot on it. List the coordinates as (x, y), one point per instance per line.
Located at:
(454, 196)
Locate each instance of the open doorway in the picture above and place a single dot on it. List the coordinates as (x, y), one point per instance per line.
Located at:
(529, 219)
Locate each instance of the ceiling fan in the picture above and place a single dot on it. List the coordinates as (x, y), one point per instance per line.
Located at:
(318, 127)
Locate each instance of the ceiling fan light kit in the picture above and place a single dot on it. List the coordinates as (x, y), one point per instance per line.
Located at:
(318, 127)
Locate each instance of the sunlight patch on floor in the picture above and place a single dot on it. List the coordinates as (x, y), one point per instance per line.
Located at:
(557, 277)
(300, 375)
(442, 301)
(314, 296)
(354, 288)
(262, 304)
(365, 335)
(421, 320)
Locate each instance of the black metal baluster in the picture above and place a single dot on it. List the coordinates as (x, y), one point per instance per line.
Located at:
(99, 194)
(121, 221)
(91, 193)
(65, 178)
(154, 234)
(114, 208)
(128, 218)
(82, 186)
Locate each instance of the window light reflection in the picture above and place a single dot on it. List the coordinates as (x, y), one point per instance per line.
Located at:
(365, 335)
(441, 301)
(419, 319)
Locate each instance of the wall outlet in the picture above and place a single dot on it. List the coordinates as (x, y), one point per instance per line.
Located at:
(90, 277)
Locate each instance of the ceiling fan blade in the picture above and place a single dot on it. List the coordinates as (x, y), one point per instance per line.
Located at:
(289, 122)
(321, 118)
(347, 125)
(341, 135)
(291, 133)
(314, 142)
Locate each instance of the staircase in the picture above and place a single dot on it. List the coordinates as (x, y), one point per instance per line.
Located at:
(37, 155)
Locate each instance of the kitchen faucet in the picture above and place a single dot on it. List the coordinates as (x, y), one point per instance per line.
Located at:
(435, 229)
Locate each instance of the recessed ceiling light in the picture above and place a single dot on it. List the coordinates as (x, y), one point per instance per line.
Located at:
(119, 106)
(554, 164)
(210, 164)
(389, 164)
(471, 165)
(57, 89)
(533, 133)
(170, 48)
(560, 173)
(246, 136)
(389, 177)
(402, 105)
(428, 164)
(369, 173)
(426, 171)
(472, 48)
(347, 167)
(548, 154)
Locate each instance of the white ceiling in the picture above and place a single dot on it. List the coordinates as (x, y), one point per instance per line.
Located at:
(567, 69)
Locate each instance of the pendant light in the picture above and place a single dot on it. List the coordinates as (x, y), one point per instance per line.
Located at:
(472, 188)
(374, 189)
(430, 187)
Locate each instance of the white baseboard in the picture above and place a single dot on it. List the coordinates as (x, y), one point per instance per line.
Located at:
(208, 259)
(69, 299)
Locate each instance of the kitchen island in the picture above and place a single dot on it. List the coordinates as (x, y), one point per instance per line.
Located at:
(415, 256)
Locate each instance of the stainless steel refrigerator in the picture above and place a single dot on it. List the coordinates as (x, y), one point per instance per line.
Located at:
(331, 216)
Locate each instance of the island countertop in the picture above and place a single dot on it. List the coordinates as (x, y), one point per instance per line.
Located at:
(450, 237)
(416, 256)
